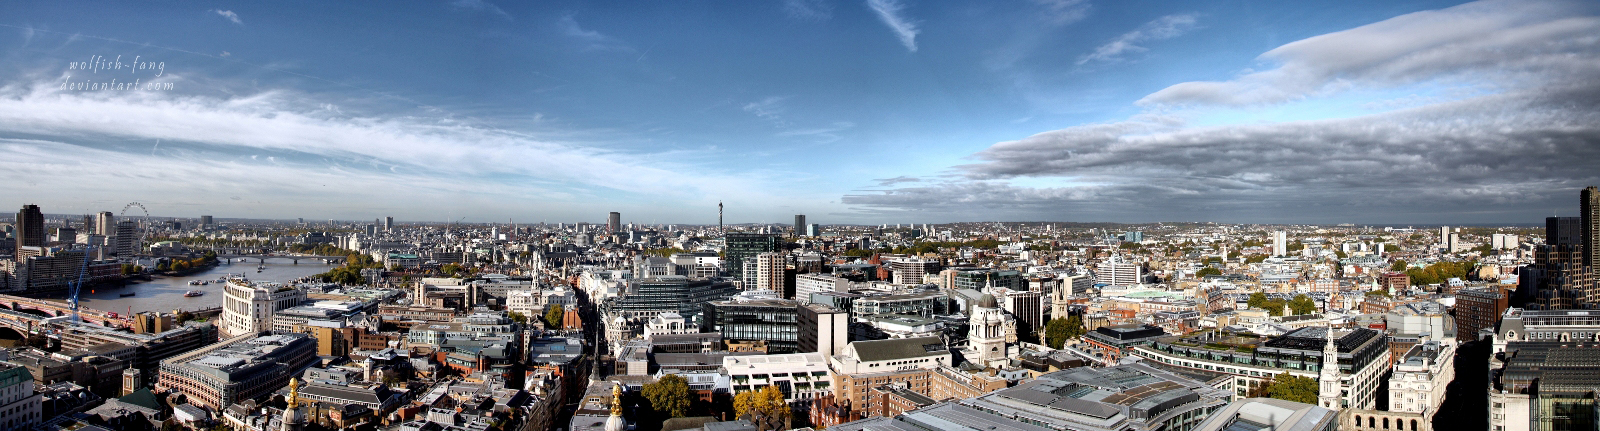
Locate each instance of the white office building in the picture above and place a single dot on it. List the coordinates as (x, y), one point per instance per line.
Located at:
(1420, 377)
(805, 375)
(1115, 272)
(248, 306)
(807, 284)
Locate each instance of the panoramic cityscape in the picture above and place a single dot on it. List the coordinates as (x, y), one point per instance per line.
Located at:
(854, 215)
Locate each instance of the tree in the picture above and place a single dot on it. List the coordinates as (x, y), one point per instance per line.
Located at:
(669, 396)
(1439, 272)
(517, 317)
(1302, 304)
(766, 407)
(1399, 265)
(1055, 332)
(1257, 300)
(452, 269)
(1075, 327)
(1256, 259)
(1293, 388)
(553, 316)
(1207, 271)
(1274, 307)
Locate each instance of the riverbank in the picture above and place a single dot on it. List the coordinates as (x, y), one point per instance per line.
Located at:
(191, 271)
(165, 293)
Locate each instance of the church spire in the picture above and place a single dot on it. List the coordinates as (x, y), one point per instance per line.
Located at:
(1328, 390)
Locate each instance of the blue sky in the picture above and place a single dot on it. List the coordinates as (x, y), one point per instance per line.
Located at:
(871, 111)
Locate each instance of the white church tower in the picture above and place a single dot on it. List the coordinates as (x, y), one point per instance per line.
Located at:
(1328, 394)
(986, 343)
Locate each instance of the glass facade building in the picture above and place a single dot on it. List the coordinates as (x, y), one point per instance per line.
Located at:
(976, 279)
(742, 247)
(773, 321)
(675, 293)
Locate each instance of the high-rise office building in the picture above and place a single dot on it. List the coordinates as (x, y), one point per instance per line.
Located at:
(743, 247)
(206, 221)
(613, 222)
(1280, 246)
(388, 223)
(1563, 231)
(1560, 277)
(1589, 211)
(813, 230)
(127, 238)
(30, 227)
(769, 275)
(1133, 236)
(799, 224)
(105, 223)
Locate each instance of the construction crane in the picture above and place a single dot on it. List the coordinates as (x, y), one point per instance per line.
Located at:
(73, 288)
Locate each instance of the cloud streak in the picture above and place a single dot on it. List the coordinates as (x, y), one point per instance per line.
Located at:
(481, 6)
(590, 39)
(891, 12)
(1062, 12)
(1165, 27)
(807, 10)
(294, 131)
(770, 109)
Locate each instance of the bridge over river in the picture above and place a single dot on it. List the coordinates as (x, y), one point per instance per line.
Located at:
(262, 258)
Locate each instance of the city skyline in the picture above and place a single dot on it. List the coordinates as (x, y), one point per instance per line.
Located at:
(853, 112)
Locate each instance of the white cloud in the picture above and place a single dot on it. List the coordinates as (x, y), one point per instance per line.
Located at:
(592, 40)
(807, 10)
(229, 15)
(1526, 42)
(1509, 154)
(1165, 27)
(890, 12)
(1062, 12)
(770, 109)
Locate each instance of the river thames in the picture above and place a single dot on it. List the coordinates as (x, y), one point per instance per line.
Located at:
(166, 294)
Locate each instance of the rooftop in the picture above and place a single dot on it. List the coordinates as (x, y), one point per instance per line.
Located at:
(899, 348)
(224, 362)
(1264, 414)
